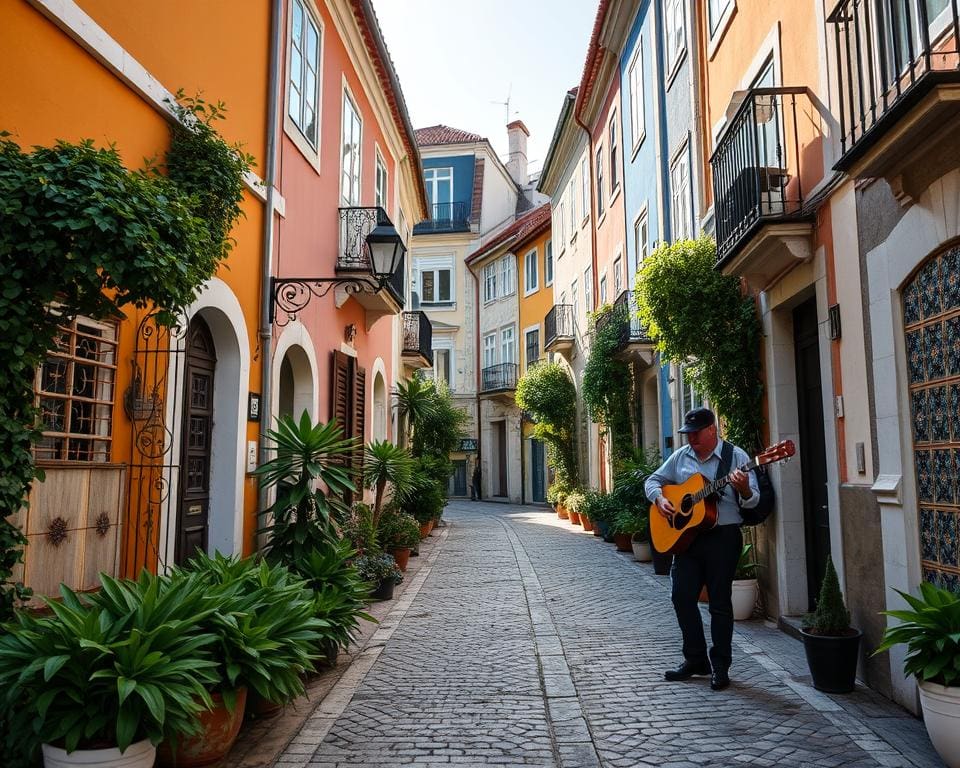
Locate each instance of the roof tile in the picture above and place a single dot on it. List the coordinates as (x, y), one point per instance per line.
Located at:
(444, 134)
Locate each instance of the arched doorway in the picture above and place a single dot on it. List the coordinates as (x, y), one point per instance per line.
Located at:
(295, 388)
(931, 319)
(379, 408)
(197, 437)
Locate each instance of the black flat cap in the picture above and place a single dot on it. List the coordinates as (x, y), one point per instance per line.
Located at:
(697, 419)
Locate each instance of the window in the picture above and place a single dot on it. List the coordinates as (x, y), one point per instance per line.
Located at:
(603, 290)
(304, 65)
(381, 187)
(489, 283)
(599, 182)
(532, 344)
(690, 395)
(638, 127)
(617, 275)
(572, 196)
(350, 154)
(680, 195)
(443, 365)
(561, 225)
(435, 286)
(715, 11)
(74, 393)
(641, 237)
(574, 301)
(508, 276)
(614, 178)
(531, 271)
(585, 187)
(548, 263)
(439, 184)
(507, 345)
(588, 289)
(676, 33)
(490, 349)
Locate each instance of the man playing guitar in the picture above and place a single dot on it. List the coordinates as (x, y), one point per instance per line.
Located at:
(711, 559)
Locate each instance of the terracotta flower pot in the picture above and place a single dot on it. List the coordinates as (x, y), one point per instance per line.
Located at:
(260, 708)
(401, 556)
(218, 732)
(586, 522)
(562, 512)
(622, 542)
(574, 518)
(425, 529)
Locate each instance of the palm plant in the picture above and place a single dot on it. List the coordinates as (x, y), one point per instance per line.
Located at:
(414, 402)
(308, 459)
(386, 463)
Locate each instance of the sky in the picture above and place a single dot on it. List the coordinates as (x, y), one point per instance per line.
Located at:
(455, 58)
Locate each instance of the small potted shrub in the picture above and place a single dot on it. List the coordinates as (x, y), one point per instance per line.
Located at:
(745, 589)
(626, 524)
(638, 526)
(601, 511)
(398, 534)
(831, 644)
(560, 492)
(931, 631)
(381, 572)
(574, 502)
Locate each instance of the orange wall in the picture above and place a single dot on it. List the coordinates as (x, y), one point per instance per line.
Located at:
(54, 89)
(533, 308)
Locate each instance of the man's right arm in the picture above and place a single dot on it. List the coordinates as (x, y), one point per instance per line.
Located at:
(663, 476)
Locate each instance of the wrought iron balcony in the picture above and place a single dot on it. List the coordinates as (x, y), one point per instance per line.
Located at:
(757, 173)
(498, 378)
(354, 254)
(417, 339)
(558, 328)
(445, 217)
(623, 316)
(891, 54)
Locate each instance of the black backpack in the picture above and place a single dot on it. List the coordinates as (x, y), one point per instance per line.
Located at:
(764, 508)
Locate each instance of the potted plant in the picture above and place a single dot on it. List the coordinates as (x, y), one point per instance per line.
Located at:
(573, 503)
(931, 631)
(398, 534)
(381, 572)
(745, 589)
(560, 493)
(635, 523)
(601, 511)
(831, 645)
(100, 689)
(624, 525)
(386, 464)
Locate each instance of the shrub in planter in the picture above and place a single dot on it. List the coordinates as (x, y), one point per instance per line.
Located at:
(745, 588)
(931, 631)
(380, 571)
(358, 527)
(574, 503)
(601, 509)
(831, 645)
(88, 678)
(398, 534)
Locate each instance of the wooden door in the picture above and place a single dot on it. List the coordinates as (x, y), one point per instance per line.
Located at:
(501, 435)
(194, 507)
(537, 471)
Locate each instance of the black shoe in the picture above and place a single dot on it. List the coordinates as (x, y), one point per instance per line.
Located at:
(719, 679)
(687, 670)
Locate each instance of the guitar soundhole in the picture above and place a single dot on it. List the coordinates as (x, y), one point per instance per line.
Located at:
(683, 515)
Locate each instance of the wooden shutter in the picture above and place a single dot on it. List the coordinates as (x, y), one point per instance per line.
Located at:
(340, 396)
(359, 421)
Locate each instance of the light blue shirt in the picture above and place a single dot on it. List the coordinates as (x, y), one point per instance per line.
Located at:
(683, 463)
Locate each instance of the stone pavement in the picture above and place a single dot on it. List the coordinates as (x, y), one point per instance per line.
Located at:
(526, 642)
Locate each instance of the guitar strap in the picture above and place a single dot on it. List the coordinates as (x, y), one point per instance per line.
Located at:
(726, 463)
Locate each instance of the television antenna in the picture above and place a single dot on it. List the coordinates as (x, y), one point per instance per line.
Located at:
(506, 104)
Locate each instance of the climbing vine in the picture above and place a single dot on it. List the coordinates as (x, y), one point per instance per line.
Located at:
(701, 318)
(607, 382)
(546, 392)
(82, 234)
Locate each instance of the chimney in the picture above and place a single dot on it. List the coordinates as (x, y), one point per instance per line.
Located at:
(517, 164)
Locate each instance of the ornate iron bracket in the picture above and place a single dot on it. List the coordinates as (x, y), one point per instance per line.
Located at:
(293, 294)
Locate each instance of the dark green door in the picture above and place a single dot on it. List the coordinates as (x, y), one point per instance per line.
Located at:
(537, 471)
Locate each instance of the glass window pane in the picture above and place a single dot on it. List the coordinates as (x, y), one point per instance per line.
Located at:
(444, 285)
(427, 286)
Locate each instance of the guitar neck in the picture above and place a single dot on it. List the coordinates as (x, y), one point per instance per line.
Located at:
(720, 483)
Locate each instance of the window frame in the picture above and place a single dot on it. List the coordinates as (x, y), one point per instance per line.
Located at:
(638, 112)
(435, 271)
(430, 185)
(588, 289)
(526, 344)
(356, 181)
(492, 359)
(601, 207)
(680, 159)
(548, 262)
(490, 282)
(508, 343)
(381, 198)
(618, 275)
(585, 187)
(310, 149)
(534, 286)
(612, 152)
(641, 254)
(673, 9)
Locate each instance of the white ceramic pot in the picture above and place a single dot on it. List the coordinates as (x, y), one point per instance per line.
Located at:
(941, 715)
(641, 551)
(141, 754)
(744, 598)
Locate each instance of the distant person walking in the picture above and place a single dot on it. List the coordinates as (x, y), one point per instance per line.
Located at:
(475, 483)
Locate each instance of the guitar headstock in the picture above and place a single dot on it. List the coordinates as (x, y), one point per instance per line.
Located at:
(779, 452)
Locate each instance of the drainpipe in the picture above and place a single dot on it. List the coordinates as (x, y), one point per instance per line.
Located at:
(476, 365)
(266, 294)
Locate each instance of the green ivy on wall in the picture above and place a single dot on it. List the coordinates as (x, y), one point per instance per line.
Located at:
(702, 319)
(81, 233)
(546, 392)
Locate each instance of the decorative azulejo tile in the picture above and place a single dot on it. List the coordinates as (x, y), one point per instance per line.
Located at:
(933, 576)
(950, 270)
(924, 465)
(939, 414)
(947, 525)
(911, 303)
(951, 581)
(929, 280)
(929, 535)
(921, 416)
(933, 351)
(944, 480)
(915, 357)
(953, 346)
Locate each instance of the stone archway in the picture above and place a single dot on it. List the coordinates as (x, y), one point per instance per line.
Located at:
(295, 389)
(379, 407)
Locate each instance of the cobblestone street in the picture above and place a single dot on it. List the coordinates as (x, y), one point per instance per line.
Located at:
(526, 642)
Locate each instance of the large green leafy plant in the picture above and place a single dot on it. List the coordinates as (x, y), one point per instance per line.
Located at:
(931, 631)
(132, 665)
(386, 464)
(82, 234)
(701, 318)
(546, 392)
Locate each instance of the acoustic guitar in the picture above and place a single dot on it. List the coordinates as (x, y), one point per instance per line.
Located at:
(695, 503)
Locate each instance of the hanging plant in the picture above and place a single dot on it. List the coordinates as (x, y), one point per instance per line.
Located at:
(701, 318)
(546, 393)
(80, 234)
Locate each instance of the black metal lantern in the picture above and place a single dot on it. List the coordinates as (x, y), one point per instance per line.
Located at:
(386, 252)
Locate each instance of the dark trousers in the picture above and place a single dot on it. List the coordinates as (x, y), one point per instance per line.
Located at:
(710, 560)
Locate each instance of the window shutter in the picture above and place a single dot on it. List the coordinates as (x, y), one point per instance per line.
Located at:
(358, 422)
(340, 397)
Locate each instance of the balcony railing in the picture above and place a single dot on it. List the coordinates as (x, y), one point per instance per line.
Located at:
(890, 53)
(418, 336)
(354, 254)
(498, 377)
(623, 316)
(558, 324)
(756, 166)
(445, 217)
